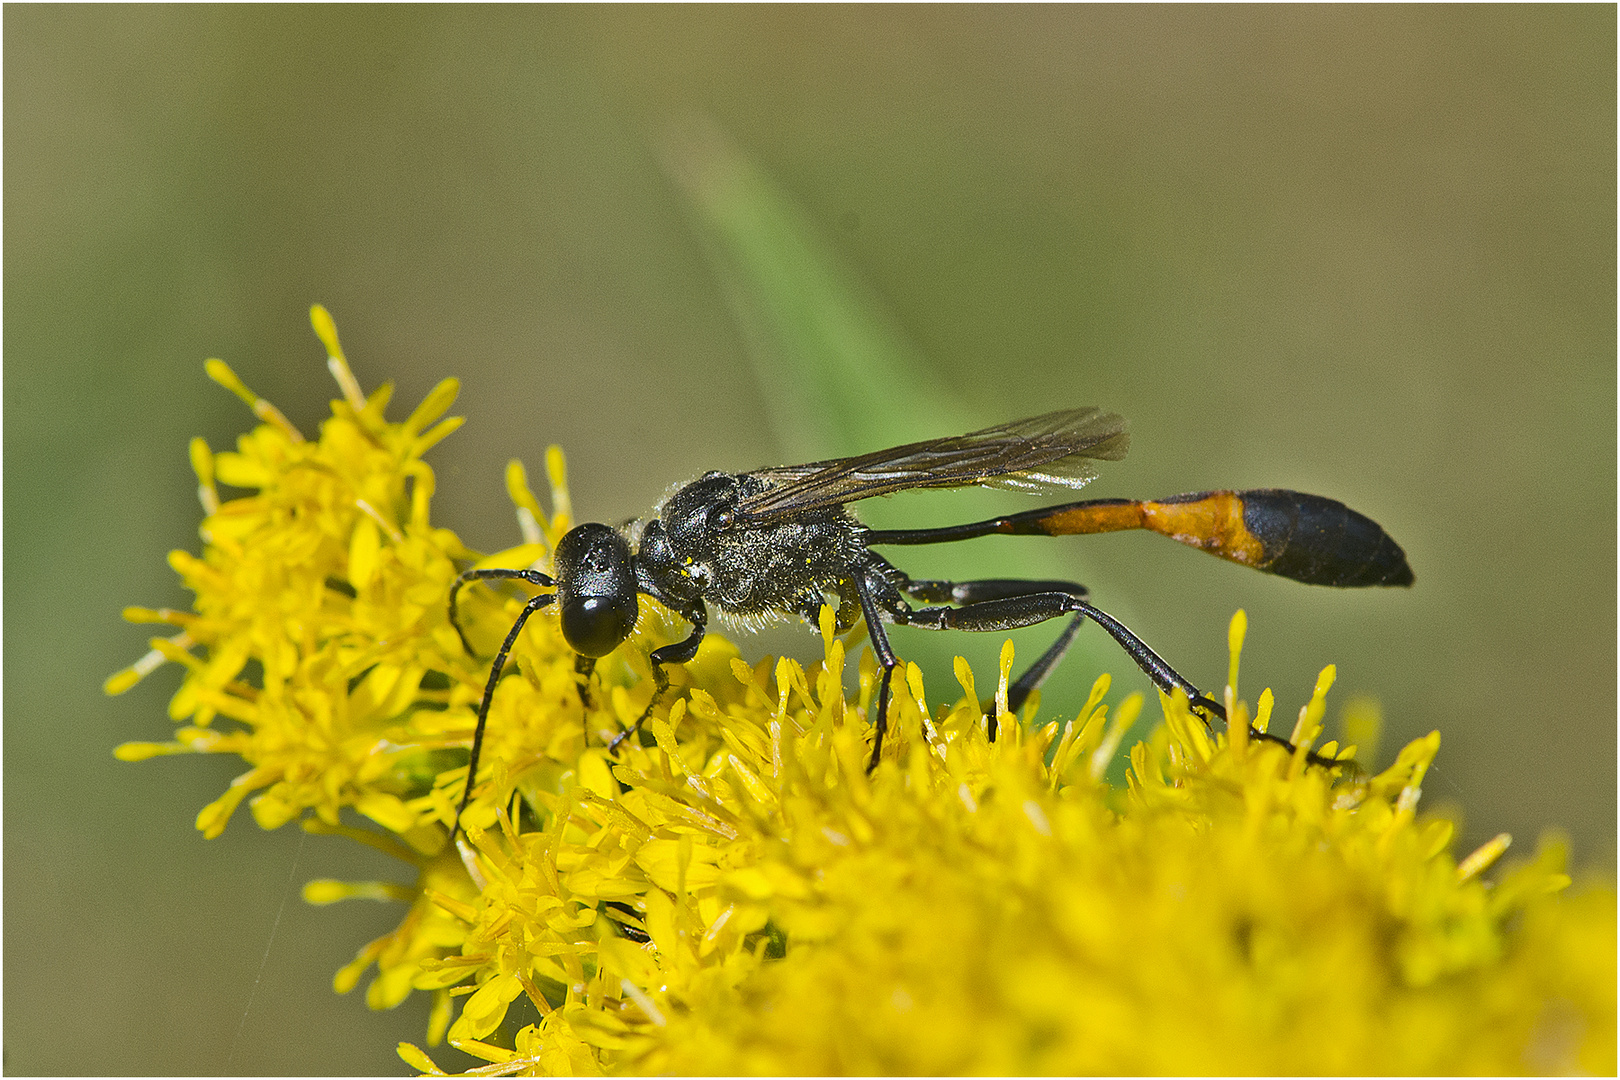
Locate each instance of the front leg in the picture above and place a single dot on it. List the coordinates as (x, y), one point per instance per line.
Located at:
(498, 573)
(677, 653)
(583, 667)
(534, 605)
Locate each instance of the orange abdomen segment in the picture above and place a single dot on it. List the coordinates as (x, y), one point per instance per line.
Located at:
(1211, 520)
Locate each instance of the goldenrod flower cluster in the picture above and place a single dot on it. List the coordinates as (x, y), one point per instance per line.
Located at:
(734, 892)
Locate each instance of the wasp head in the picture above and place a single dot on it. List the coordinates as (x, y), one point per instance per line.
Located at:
(596, 589)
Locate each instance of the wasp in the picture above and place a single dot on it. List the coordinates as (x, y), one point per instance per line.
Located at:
(781, 542)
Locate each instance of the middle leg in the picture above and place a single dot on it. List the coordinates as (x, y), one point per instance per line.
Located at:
(677, 653)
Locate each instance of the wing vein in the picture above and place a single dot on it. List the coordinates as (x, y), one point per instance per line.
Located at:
(1054, 449)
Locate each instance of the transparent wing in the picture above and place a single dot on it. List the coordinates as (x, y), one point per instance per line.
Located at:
(1052, 450)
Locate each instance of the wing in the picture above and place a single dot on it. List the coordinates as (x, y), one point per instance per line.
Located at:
(1052, 450)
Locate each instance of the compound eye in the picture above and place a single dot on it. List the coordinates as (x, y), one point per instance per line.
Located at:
(596, 625)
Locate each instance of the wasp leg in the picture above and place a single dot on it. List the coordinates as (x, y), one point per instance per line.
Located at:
(1004, 608)
(971, 592)
(678, 653)
(1020, 689)
(987, 604)
(533, 577)
(530, 608)
(1012, 612)
(1008, 612)
(583, 667)
(1167, 679)
(866, 590)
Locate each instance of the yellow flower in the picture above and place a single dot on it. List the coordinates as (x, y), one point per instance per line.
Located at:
(995, 908)
(735, 893)
(331, 581)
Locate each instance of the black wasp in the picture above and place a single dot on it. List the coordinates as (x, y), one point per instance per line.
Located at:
(782, 541)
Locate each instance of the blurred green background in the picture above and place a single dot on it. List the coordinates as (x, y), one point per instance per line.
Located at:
(1365, 252)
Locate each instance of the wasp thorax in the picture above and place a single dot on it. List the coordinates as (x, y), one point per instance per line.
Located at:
(596, 589)
(697, 517)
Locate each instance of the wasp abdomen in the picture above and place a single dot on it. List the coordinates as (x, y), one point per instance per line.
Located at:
(1316, 540)
(1308, 538)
